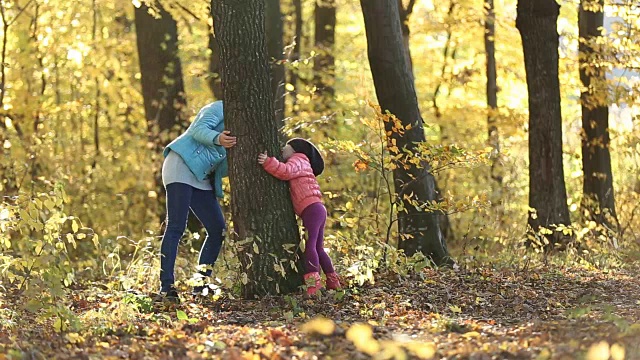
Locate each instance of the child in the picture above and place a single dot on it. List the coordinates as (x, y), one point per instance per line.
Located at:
(303, 163)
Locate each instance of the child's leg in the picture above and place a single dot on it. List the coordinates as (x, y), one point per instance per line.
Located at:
(206, 208)
(333, 280)
(325, 260)
(312, 220)
(178, 198)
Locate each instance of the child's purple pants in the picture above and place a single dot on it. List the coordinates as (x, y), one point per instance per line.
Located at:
(314, 217)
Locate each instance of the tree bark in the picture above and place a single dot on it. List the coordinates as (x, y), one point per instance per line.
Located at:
(262, 213)
(493, 136)
(160, 69)
(405, 13)
(536, 21)
(490, 52)
(215, 72)
(596, 158)
(274, 31)
(324, 63)
(419, 230)
(295, 54)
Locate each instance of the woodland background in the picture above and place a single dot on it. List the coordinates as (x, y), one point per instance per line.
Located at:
(91, 90)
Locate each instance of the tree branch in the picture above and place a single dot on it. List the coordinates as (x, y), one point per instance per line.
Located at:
(183, 8)
(18, 14)
(445, 63)
(409, 10)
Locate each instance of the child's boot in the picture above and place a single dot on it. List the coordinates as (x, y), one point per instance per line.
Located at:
(313, 282)
(333, 281)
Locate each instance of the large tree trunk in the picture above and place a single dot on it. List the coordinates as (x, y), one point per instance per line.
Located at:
(215, 72)
(493, 136)
(324, 63)
(596, 159)
(419, 230)
(536, 21)
(295, 54)
(261, 207)
(274, 31)
(161, 70)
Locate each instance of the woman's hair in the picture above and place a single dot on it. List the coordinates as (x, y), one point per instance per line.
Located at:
(313, 154)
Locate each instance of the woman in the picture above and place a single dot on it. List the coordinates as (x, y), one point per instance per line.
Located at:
(192, 173)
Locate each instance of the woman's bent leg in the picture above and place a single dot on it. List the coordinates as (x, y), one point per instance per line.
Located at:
(178, 199)
(204, 205)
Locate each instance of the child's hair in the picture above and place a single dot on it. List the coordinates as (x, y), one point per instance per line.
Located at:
(313, 154)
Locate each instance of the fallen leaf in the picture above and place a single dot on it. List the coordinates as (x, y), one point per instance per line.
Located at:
(599, 351)
(471, 334)
(617, 352)
(319, 325)
(422, 350)
(362, 337)
(74, 338)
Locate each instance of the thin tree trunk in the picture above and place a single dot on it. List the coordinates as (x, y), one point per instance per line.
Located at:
(38, 118)
(324, 63)
(162, 83)
(3, 56)
(493, 136)
(274, 31)
(419, 230)
(161, 70)
(6, 23)
(405, 13)
(536, 22)
(97, 109)
(261, 207)
(596, 158)
(448, 51)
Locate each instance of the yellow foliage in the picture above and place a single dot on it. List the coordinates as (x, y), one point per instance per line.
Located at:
(598, 351)
(362, 337)
(319, 325)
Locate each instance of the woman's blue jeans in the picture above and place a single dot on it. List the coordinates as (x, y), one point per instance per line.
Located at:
(204, 204)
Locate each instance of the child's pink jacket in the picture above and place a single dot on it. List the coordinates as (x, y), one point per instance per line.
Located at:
(303, 185)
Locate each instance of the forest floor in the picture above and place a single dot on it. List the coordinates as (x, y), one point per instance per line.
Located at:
(481, 313)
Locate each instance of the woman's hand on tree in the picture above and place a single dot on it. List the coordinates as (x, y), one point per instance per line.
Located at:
(226, 140)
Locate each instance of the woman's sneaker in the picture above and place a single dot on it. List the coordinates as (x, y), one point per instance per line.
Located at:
(201, 292)
(170, 296)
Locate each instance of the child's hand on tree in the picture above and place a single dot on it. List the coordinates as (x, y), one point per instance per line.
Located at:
(262, 158)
